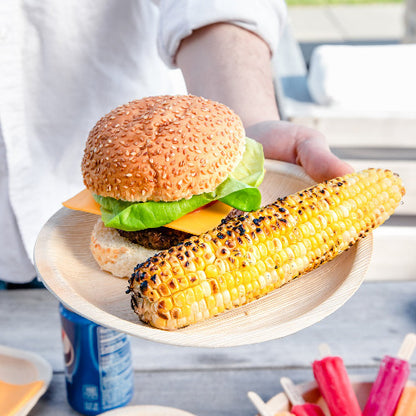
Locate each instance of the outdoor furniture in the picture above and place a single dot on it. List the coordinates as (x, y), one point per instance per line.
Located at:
(365, 139)
(410, 21)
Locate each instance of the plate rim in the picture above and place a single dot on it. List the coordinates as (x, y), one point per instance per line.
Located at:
(43, 368)
(61, 289)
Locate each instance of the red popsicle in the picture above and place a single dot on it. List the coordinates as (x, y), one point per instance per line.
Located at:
(299, 407)
(390, 381)
(335, 386)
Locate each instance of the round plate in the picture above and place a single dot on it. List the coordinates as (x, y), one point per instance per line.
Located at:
(146, 411)
(22, 367)
(64, 262)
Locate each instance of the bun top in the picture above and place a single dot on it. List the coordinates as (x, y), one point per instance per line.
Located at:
(162, 148)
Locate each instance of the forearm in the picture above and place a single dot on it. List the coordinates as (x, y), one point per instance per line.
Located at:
(231, 65)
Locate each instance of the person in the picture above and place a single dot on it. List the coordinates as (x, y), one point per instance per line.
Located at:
(67, 63)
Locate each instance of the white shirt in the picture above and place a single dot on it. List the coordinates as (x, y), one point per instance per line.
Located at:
(66, 63)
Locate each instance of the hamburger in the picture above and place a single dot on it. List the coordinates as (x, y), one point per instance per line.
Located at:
(161, 169)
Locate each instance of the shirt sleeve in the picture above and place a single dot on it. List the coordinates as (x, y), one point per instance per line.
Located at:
(178, 18)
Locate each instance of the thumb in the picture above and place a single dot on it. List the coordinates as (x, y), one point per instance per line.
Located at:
(314, 155)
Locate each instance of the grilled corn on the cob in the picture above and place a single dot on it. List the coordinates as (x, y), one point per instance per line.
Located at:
(249, 256)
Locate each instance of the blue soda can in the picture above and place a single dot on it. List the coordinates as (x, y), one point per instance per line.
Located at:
(98, 365)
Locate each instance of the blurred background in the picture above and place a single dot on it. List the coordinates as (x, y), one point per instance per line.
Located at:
(347, 68)
(352, 22)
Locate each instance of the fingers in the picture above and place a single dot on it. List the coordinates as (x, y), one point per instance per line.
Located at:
(298, 144)
(314, 155)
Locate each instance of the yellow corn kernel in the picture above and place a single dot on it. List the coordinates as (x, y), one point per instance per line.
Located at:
(179, 299)
(211, 271)
(199, 293)
(190, 296)
(186, 311)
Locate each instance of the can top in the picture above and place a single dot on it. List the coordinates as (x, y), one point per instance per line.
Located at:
(74, 317)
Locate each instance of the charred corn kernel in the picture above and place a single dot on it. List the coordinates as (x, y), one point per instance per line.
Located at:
(165, 304)
(209, 257)
(221, 265)
(176, 271)
(182, 282)
(247, 257)
(176, 313)
(163, 290)
(255, 251)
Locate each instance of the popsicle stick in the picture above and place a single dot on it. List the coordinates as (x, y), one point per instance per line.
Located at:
(291, 391)
(407, 347)
(259, 404)
(324, 350)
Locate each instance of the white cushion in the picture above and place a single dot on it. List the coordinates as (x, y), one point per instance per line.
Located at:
(364, 77)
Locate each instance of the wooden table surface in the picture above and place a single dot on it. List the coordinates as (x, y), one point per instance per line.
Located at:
(216, 381)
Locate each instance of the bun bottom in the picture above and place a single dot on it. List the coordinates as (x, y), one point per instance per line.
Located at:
(114, 253)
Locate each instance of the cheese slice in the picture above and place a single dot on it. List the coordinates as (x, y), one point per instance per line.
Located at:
(83, 201)
(196, 222)
(202, 219)
(14, 396)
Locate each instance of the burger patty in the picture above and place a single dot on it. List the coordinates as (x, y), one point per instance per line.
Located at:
(162, 238)
(159, 238)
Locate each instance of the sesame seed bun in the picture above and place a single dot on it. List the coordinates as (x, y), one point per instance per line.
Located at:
(114, 253)
(162, 148)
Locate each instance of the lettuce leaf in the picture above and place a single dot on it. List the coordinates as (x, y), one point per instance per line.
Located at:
(239, 190)
(251, 168)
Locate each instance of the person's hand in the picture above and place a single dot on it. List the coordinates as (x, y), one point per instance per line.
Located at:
(300, 145)
(232, 65)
